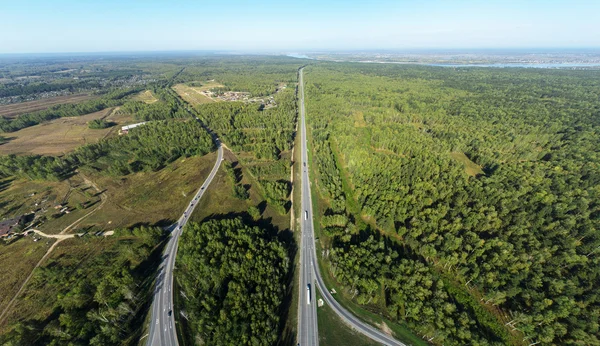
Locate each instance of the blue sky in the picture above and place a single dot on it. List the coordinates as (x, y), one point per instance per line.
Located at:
(31, 26)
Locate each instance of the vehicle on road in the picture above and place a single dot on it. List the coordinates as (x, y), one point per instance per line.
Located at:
(306, 215)
(308, 294)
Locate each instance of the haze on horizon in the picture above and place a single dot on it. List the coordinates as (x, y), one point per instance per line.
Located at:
(76, 26)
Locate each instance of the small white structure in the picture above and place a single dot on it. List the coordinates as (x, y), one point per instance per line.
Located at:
(320, 302)
(125, 129)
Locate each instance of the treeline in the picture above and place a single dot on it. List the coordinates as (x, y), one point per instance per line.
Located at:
(95, 300)
(523, 236)
(18, 89)
(146, 148)
(234, 277)
(112, 99)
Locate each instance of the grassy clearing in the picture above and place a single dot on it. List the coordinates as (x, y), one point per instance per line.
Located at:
(333, 331)
(18, 258)
(15, 109)
(219, 200)
(145, 96)
(60, 136)
(471, 168)
(148, 197)
(193, 95)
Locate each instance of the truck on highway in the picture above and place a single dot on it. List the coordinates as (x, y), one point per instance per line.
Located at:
(306, 215)
(308, 294)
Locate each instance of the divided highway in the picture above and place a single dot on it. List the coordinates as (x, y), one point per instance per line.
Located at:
(162, 325)
(309, 269)
(308, 334)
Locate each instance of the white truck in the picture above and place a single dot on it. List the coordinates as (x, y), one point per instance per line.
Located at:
(308, 294)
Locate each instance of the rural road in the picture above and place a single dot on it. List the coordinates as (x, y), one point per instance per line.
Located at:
(162, 324)
(307, 319)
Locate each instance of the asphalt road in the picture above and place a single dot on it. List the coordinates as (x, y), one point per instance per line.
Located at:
(309, 269)
(308, 333)
(162, 325)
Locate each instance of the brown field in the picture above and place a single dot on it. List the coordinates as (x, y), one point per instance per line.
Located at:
(62, 135)
(193, 95)
(145, 96)
(471, 168)
(15, 109)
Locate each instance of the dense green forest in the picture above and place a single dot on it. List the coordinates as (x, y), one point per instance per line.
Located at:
(95, 300)
(463, 201)
(234, 276)
(147, 147)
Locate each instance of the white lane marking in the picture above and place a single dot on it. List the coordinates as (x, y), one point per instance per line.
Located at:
(157, 321)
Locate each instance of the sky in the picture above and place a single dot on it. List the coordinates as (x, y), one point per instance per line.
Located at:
(35, 26)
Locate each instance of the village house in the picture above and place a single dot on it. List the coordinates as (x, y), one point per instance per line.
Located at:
(11, 225)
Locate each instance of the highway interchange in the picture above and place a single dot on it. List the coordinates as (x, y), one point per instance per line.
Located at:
(162, 324)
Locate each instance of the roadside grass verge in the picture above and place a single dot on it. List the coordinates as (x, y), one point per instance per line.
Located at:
(334, 332)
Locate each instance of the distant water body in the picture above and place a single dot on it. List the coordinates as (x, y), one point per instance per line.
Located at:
(525, 65)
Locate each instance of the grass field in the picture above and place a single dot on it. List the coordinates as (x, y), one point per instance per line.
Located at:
(333, 331)
(471, 168)
(18, 258)
(148, 197)
(193, 95)
(15, 109)
(60, 136)
(145, 96)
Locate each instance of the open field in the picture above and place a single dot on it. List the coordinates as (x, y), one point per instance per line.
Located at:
(148, 197)
(15, 109)
(193, 95)
(18, 258)
(145, 96)
(471, 168)
(62, 135)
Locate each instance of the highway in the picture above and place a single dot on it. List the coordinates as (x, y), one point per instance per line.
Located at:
(308, 333)
(162, 324)
(309, 269)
